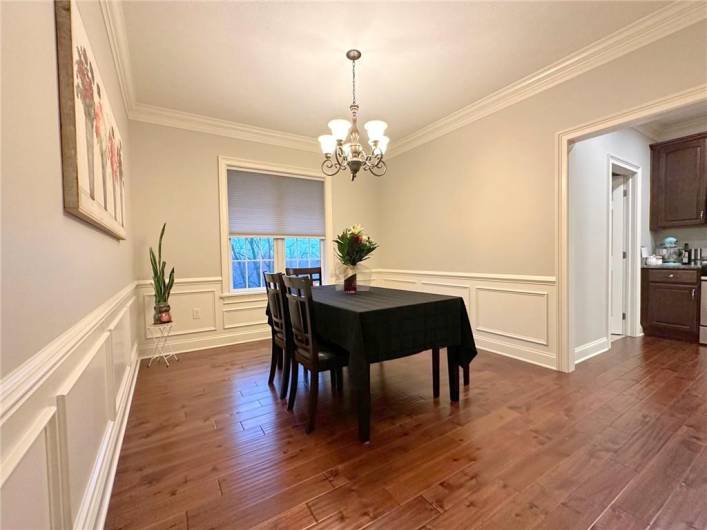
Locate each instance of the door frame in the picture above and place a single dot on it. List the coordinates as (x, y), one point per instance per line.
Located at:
(563, 139)
(633, 227)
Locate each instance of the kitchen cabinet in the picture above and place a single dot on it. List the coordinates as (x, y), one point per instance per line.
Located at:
(679, 182)
(670, 303)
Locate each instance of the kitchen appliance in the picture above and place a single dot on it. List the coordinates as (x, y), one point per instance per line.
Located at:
(670, 251)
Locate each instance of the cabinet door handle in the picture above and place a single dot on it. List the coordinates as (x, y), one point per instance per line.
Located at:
(671, 276)
(693, 294)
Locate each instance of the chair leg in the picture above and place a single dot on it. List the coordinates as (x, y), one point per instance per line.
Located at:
(286, 364)
(465, 369)
(435, 372)
(340, 380)
(293, 385)
(313, 395)
(273, 362)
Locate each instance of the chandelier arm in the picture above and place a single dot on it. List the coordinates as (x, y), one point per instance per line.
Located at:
(340, 160)
(381, 165)
(329, 168)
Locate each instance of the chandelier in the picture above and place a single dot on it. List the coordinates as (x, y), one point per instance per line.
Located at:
(342, 148)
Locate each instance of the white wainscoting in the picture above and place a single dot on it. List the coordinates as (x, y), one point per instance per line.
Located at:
(62, 418)
(511, 315)
(222, 319)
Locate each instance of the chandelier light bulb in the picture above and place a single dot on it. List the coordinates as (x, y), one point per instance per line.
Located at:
(340, 128)
(375, 129)
(327, 143)
(382, 146)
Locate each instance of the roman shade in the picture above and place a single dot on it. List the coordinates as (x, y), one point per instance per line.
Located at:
(261, 204)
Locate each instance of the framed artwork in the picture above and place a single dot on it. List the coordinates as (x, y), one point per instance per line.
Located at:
(92, 149)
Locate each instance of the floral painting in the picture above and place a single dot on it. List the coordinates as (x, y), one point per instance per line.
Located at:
(92, 147)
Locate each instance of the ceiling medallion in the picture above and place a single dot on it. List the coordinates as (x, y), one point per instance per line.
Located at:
(342, 148)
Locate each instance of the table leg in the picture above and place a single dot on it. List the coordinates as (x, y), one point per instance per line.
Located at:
(364, 405)
(465, 369)
(435, 372)
(453, 368)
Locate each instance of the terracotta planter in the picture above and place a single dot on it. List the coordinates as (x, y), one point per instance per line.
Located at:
(162, 314)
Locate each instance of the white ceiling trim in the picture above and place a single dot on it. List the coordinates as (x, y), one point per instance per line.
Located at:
(205, 124)
(657, 25)
(644, 31)
(698, 124)
(660, 133)
(117, 37)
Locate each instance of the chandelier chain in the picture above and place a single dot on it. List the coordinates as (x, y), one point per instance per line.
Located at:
(353, 77)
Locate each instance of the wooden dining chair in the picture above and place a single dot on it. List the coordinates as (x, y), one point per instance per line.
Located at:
(435, 372)
(281, 336)
(306, 349)
(313, 273)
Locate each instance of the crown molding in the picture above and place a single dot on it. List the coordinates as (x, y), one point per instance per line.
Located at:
(114, 20)
(650, 131)
(684, 128)
(659, 24)
(205, 124)
(118, 38)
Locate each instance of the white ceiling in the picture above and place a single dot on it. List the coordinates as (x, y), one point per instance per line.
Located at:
(281, 65)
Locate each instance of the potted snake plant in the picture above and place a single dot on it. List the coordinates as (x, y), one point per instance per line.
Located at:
(162, 287)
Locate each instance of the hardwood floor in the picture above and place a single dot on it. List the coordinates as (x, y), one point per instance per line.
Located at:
(620, 443)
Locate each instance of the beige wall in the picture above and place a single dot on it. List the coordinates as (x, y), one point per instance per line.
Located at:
(175, 173)
(482, 199)
(55, 268)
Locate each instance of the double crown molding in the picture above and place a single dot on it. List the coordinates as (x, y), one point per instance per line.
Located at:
(661, 23)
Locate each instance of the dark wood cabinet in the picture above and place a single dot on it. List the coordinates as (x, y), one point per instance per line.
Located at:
(679, 182)
(670, 303)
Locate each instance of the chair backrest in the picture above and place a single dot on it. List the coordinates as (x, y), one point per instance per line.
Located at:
(275, 289)
(298, 292)
(313, 273)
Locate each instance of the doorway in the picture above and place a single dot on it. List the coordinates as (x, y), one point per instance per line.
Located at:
(619, 244)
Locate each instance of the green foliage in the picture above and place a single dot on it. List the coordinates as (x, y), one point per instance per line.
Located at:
(354, 246)
(163, 287)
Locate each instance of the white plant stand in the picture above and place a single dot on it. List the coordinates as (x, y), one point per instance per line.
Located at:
(159, 333)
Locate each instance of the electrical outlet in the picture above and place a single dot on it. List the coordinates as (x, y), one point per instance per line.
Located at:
(196, 313)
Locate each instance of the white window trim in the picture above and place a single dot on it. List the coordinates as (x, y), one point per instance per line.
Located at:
(224, 164)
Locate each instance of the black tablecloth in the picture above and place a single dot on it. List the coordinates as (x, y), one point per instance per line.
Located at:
(382, 324)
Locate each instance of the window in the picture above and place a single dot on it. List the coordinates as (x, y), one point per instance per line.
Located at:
(250, 258)
(274, 222)
(303, 252)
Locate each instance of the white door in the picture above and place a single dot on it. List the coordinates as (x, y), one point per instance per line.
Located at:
(617, 265)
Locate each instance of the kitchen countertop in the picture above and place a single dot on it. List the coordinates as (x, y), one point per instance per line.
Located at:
(679, 266)
(691, 266)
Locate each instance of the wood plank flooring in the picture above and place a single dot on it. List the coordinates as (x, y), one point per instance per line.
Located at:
(619, 444)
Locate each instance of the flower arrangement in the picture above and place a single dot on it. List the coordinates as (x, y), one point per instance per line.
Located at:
(354, 246)
(162, 286)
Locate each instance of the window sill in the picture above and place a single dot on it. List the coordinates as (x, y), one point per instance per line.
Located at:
(244, 292)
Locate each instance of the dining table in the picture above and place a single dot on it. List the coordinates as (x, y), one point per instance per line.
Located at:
(379, 324)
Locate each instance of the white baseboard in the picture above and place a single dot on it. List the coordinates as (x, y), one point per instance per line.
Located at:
(206, 341)
(521, 353)
(591, 349)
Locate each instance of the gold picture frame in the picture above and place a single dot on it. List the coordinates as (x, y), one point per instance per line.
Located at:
(92, 148)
